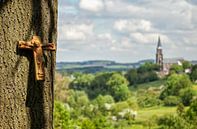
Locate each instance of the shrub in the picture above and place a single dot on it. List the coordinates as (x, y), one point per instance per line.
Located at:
(174, 84)
(101, 122)
(148, 101)
(171, 101)
(193, 74)
(176, 68)
(118, 107)
(173, 122)
(62, 117)
(192, 111)
(77, 99)
(186, 96)
(87, 124)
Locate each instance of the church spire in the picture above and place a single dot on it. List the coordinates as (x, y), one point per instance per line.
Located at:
(159, 54)
(159, 43)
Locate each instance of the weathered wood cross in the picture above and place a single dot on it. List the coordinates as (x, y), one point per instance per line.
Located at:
(37, 47)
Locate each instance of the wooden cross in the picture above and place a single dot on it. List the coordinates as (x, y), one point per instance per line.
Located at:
(37, 47)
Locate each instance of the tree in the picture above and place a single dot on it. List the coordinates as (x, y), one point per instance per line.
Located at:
(61, 87)
(82, 82)
(187, 95)
(147, 67)
(186, 64)
(171, 101)
(192, 111)
(62, 117)
(175, 68)
(145, 73)
(174, 84)
(99, 84)
(132, 76)
(193, 74)
(173, 122)
(24, 102)
(118, 87)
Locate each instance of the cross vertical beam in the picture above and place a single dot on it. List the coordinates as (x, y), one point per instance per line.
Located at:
(37, 47)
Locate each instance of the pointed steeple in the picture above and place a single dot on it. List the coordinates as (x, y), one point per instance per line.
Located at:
(159, 54)
(159, 46)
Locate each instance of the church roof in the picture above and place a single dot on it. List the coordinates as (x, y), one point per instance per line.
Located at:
(172, 60)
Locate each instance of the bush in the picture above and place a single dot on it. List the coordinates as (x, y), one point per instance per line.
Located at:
(133, 104)
(77, 99)
(118, 107)
(193, 74)
(101, 122)
(192, 111)
(174, 84)
(148, 101)
(171, 101)
(176, 68)
(82, 82)
(173, 122)
(186, 96)
(62, 117)
(87, 124)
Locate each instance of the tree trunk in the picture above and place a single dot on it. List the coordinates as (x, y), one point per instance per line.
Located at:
(24, 102)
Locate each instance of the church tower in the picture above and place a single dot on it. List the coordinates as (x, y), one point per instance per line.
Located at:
(159, 54)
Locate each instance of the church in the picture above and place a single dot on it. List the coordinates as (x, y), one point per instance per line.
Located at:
(165, 63)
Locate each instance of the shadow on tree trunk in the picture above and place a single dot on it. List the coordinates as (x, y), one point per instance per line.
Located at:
(35, 89)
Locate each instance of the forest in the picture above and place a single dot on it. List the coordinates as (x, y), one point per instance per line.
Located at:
(136, 99)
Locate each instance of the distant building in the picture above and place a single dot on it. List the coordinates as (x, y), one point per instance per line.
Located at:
(168, 62)
(165, 63)
(159, 55)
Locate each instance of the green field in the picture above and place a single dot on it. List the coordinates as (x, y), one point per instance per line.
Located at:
(147, 113)
(151, 84)
(146, 117)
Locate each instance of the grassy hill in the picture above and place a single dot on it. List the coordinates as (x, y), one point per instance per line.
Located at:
(97, 66)
(143, 99)
(147, 85)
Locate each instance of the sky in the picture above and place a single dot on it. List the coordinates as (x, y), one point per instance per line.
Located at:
(126, 30)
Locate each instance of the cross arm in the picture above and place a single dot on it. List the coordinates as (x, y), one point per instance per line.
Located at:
(49, 46)
(25, 45)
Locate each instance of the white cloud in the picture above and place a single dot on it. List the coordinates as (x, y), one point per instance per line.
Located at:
(75, 32)
(121, 7)
(125, 43)
(149, 38)
(105, 36)
(133, 25)
(127, 30)
(91, 5)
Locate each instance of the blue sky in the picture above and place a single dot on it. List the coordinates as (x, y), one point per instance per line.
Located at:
(126, 30)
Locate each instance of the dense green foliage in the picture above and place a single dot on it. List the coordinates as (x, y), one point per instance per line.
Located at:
(118, 87)
(148, 98)
(114, 84)
(182, 120)
(175, 68)
(193, 74)
(145, 73)
(186, 65)
(177, 86)
(171, 101)
(105, 101)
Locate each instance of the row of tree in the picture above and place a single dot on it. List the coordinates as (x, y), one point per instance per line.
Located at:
(114, 84)
(145, 73)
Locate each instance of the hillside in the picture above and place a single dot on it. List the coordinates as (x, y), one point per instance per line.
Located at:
(95, 66)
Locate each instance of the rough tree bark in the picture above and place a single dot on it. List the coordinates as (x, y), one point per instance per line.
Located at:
(24, 102)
